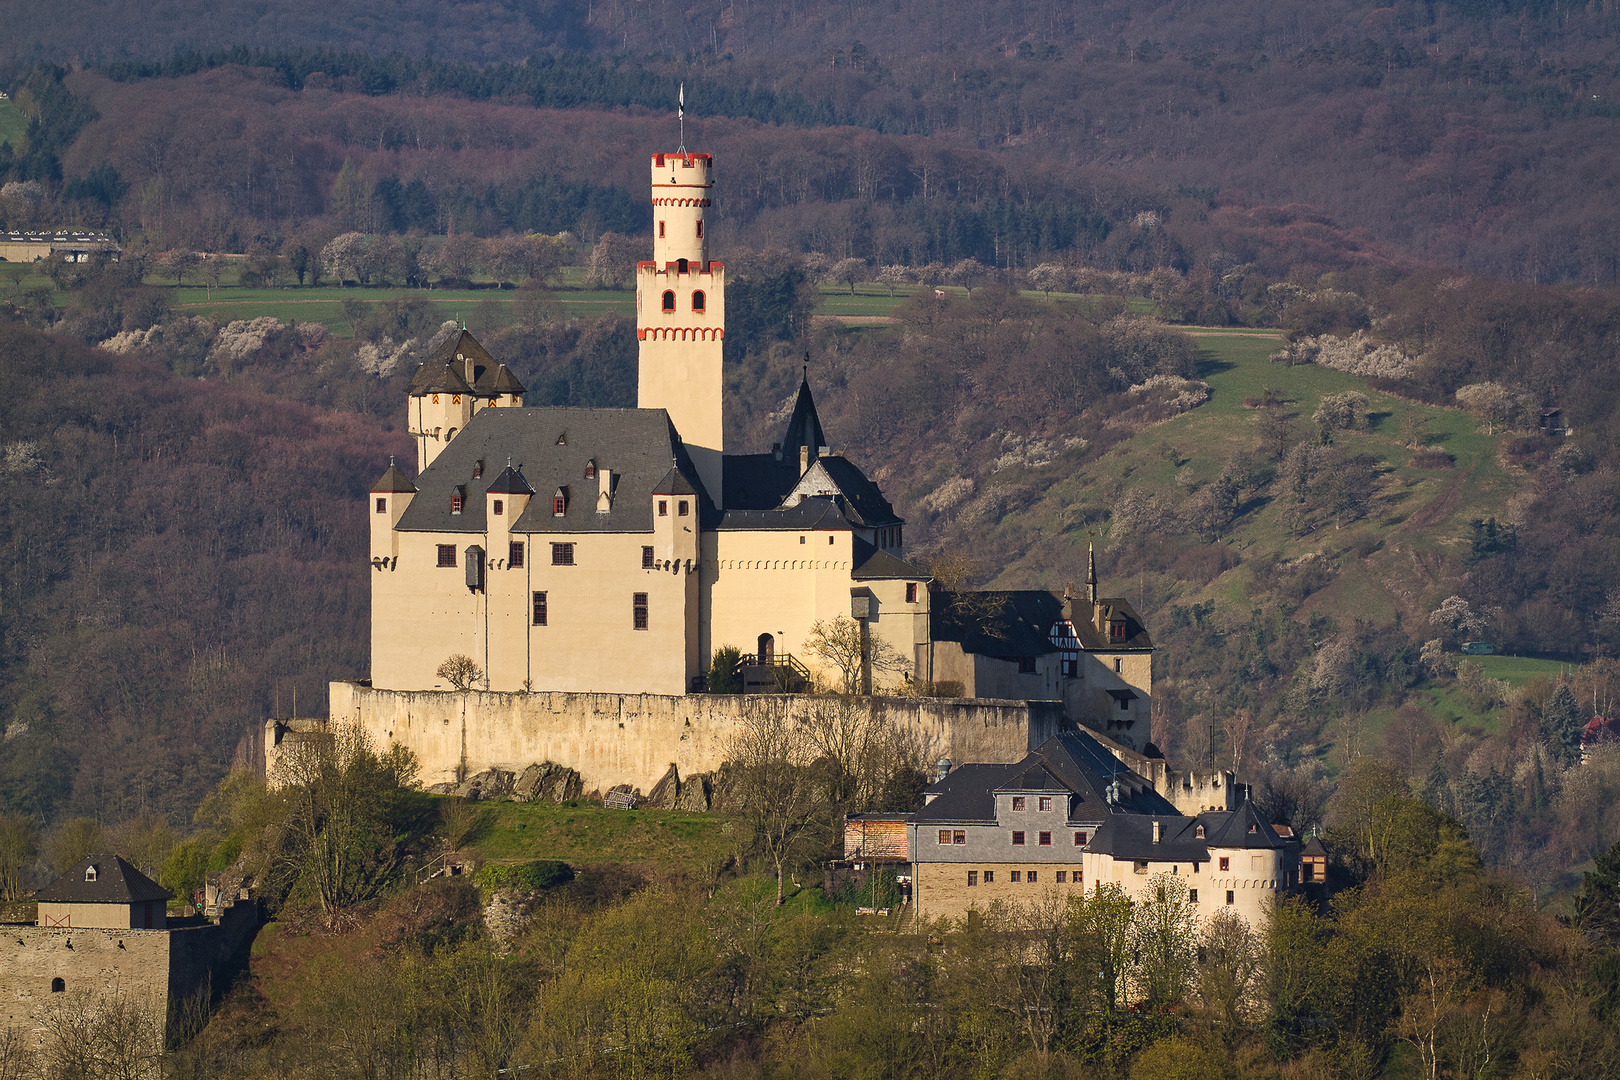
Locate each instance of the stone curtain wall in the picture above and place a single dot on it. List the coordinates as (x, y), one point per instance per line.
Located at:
(634, 738)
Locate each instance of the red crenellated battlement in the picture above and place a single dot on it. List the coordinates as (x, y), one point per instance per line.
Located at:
(659, 160)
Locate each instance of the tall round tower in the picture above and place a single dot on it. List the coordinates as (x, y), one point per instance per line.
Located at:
(681, 312)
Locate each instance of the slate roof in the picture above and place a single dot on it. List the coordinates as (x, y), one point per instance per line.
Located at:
(442, 372)
(803, 426)
(865, 504)
(1130, 837)
(117, 882)
(551, 448)
(996, 623)
(758, 481)
(510, 482)
(674, 483)
(393, 480)
(1091, 638)
(822, 512)
(1071, 762)
(874, 564)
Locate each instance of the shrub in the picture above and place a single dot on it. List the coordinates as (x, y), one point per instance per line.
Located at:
(523, 877)
(723, 670)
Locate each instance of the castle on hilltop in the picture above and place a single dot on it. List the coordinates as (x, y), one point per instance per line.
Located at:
(594, 550)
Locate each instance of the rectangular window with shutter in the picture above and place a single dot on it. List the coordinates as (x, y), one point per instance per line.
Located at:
(639, 610)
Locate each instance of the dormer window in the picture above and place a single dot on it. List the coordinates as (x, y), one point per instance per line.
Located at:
(559, 502)
(89, 873)
(1199, 832)
(478, 469)
(1116, 630)
(590, 469)
(455, 504)
(1253, 828)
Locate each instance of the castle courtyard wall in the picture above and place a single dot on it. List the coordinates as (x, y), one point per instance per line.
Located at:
(634, 738)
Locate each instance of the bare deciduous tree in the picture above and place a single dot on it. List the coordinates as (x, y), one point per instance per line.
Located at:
(461, 672)
(782, 798)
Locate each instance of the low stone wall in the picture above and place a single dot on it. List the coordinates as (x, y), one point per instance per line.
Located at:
(634, 738)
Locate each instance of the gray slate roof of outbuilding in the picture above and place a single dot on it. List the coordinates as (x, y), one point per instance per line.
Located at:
(875, 564)
(996, 623)
(117, 882)
(1071, 761)
(639, 445)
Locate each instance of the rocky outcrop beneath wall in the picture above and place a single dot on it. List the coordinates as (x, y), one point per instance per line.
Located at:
(545, 781)
(606, 740)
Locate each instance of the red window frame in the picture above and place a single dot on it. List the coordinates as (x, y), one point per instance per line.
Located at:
(911, 592)
(382, 504)
(455, 504)
(669, 300)
(500, 507)
(699, 301)
(1018, 838)
(1044, 839)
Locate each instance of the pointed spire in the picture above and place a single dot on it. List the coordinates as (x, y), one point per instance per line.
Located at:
(1091, 573)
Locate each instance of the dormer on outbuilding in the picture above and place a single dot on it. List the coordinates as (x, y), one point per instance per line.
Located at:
(104, 892)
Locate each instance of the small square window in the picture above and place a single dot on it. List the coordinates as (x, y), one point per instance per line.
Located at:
(1192, 896)
(683, 508)
(1080, 838)
(973, 878)
(989, 876)
(646, 557)
(514, 555)
(1014, 876)
(911, 592)
(1045, 839)
(1231, 897)
(447, 554)
(959, 836)
(1062, 877)
(1018, 839)
(562, 554)
(1018, 802)
(499, 507)
(945, 836)
(382, 504)
(663, 508)
(638, 604)
(1226, 864)
(1032, 874)
(1046, 802)
(539, 609)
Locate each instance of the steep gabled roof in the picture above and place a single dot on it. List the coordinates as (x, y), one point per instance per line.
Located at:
(501, 381)
(1240, 828)
(116, 882)
(1072, 761)
(392, 480)
(834, 474)
(996, 623)
(1130, 836)
(1108, 609)
(758, 481)
(445, 370)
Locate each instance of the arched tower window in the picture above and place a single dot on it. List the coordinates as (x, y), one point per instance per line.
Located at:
(698, 300)
(669, 299)
(682, 266)
(58, 986)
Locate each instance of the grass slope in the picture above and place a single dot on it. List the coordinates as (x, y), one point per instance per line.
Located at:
(13, 125)
(581, 834)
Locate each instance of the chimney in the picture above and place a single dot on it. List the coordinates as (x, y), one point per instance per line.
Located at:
(1155, 832)
(942, 769)
(776, 450)
(604, 494)
(804, 460)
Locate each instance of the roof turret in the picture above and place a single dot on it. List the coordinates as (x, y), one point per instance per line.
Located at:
(393, 480)
(804, 425)
(510, 482)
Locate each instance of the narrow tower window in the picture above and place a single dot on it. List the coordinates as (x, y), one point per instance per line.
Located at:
(698, 300)
(660, 230)
(638, 605)
(700, 230)
(669, 299)
(646, 558)
(682, 266)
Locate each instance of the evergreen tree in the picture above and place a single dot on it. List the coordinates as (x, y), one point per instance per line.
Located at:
(1562, 722)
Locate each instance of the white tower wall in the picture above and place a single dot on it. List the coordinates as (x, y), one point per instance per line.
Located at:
(681, 313)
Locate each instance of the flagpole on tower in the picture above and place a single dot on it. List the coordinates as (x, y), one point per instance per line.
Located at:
(680, 113)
